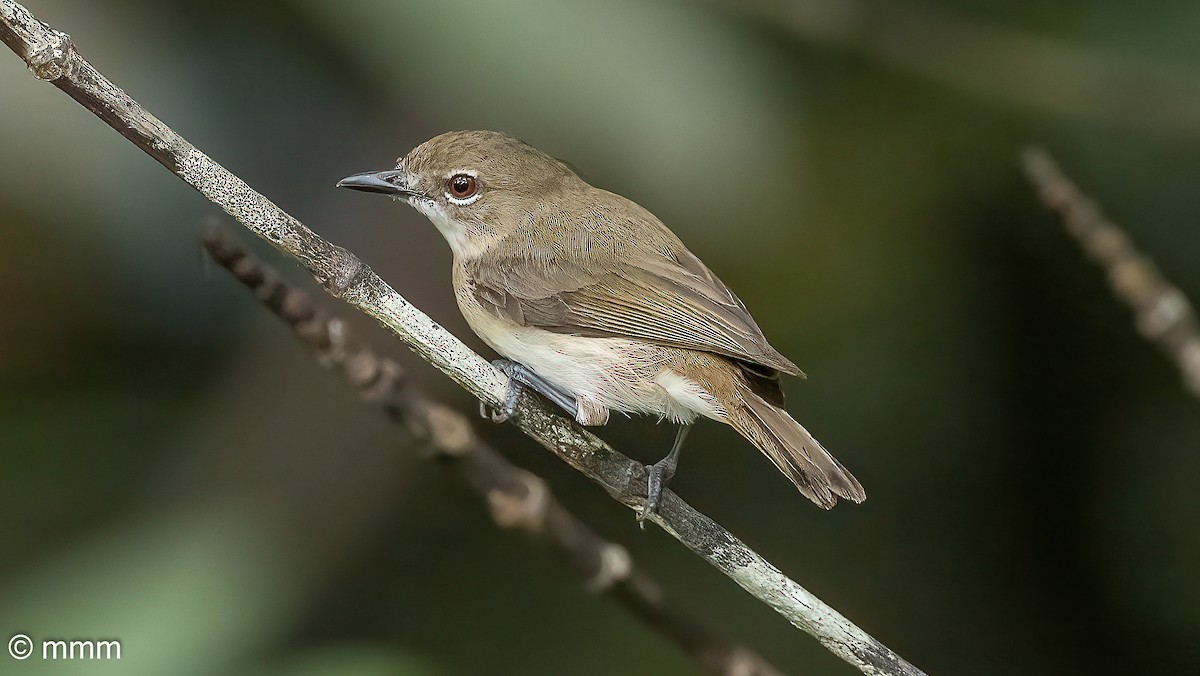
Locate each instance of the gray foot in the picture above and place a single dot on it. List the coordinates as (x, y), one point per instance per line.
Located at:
(522, 376)
(660, 474)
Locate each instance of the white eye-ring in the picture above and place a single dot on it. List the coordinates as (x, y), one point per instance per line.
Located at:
(462, 189)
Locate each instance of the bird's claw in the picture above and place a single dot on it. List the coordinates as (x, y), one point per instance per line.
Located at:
(521, 377)
(508, 409)
(658, 476)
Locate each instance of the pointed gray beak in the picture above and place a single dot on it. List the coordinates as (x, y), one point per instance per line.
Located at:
(390, 182)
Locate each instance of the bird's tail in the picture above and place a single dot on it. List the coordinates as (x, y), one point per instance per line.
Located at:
(794, 451)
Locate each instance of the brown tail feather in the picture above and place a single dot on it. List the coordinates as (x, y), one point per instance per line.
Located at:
(794, 451)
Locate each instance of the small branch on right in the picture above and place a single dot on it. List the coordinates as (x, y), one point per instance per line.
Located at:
(1163, 313)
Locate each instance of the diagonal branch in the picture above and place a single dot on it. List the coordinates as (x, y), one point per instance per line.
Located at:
(51, 57)
(1163, 314)
(516, 497)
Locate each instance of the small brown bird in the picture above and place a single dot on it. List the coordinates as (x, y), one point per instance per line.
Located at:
(595, 304)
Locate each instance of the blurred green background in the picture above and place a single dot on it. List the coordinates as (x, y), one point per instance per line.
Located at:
(178, 473)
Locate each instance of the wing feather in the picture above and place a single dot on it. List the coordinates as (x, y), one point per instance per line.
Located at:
(671, 299)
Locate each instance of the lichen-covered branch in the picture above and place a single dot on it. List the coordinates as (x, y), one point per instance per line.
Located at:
(515, 497)
(52, 57)
(1162, 312)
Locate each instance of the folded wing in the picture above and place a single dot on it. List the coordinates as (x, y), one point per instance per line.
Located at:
(669, 298)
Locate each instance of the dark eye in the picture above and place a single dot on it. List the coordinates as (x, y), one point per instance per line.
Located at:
(462, 186)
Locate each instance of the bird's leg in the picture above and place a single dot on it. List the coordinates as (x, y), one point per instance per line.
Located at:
(659, 474)
(522, 376)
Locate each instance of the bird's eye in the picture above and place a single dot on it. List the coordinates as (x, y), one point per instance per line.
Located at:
(462, 187)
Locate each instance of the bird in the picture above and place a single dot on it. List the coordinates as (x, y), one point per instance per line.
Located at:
(594, 303)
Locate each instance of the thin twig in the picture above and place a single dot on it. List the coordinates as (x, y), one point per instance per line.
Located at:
(1163, 314)
(516, 498)
(52, 57)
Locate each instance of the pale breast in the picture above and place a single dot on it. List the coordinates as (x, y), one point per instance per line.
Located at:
(631, 376)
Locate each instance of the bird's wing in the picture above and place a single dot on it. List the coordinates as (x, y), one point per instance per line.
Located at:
(671, 299)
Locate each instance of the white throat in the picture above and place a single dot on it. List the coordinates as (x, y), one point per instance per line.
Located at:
(462, 241)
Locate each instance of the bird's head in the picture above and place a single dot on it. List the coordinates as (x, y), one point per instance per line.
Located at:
(475, 186)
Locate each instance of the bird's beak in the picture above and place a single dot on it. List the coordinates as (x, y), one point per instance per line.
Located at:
(390, 182)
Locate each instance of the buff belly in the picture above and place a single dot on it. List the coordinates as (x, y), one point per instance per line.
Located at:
(620, 374)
